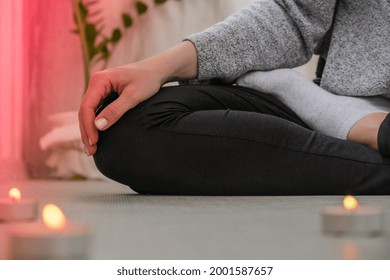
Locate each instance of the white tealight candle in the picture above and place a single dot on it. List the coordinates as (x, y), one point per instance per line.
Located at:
(55, 239)
(353, 219)
(16, 208)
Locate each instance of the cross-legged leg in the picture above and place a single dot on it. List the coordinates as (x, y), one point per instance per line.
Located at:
(226, 140)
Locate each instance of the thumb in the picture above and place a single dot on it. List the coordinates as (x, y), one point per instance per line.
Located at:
(111, 113)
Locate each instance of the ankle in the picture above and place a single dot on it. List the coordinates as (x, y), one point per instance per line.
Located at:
(366, 130)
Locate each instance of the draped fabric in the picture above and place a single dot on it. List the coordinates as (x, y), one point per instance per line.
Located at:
(11, 95)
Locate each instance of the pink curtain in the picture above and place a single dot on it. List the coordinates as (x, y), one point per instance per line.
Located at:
(53, 75)
(12, 107)
(40, 74)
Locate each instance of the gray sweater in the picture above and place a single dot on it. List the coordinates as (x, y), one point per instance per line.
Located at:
(353, 36)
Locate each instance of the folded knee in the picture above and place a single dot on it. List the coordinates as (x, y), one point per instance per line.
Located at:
(133, 150)
(122, 150)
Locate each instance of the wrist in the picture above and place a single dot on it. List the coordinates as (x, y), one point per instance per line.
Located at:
(177, 63)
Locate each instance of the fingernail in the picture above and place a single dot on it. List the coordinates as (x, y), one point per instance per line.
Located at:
(90, 142)
(101, 123)
(86, 151)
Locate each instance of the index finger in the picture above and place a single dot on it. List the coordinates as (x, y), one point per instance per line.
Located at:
(98, 88)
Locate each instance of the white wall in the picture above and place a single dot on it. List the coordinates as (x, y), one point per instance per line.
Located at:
(169, 24)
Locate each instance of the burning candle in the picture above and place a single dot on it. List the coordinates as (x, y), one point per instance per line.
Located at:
(16, 208)
(54, 239)
(353, 219)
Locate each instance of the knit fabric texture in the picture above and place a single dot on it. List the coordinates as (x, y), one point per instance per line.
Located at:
(353, 36)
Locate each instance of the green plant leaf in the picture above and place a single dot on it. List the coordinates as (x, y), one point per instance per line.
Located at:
(83, 10)
(127, 20)
(91, 34)
(101, 45)
(102, 50)
(160, 1)
(116, 35)
(141, 7)
(105, 52)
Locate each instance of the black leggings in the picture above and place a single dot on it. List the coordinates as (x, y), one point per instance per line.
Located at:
(227, 140)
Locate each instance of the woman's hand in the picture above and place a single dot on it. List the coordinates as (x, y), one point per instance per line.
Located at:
(134, 83)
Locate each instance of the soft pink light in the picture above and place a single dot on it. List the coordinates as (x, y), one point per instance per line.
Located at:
(11, 73)
(12, 94)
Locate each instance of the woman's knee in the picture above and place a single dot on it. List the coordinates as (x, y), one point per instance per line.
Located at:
(128, 152)
(120, 148)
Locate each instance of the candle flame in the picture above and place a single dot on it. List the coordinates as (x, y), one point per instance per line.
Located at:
(53, 217)
(14, 194)
(350, 203)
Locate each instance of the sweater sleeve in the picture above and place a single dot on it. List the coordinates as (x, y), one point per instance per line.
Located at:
(266, 35)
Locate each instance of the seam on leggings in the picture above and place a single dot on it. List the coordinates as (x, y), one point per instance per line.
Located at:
(255, 141)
